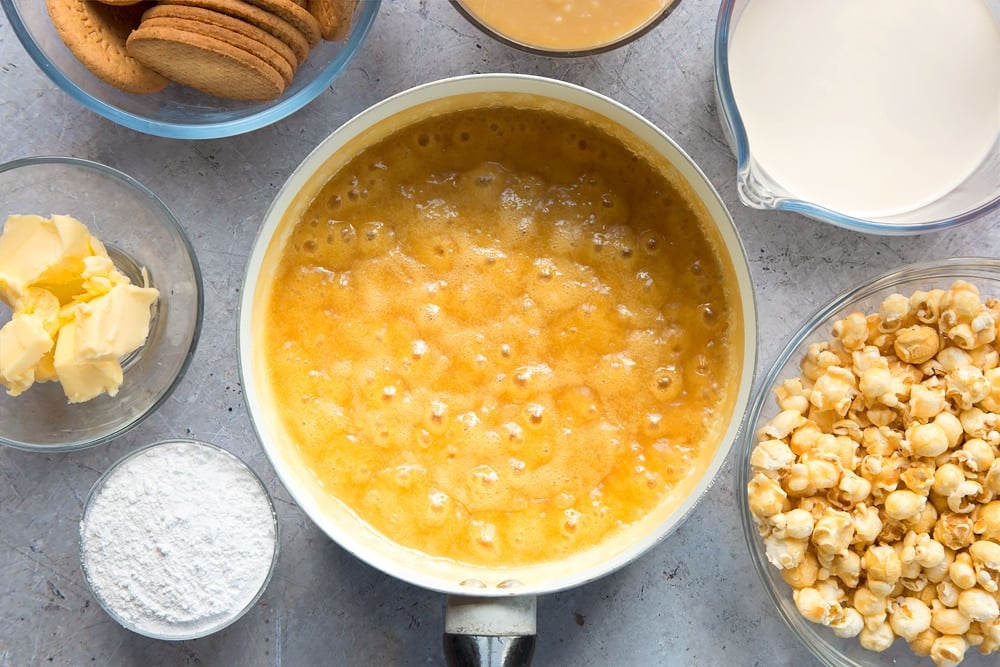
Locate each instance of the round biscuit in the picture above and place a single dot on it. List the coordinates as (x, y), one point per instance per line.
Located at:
(294, 14)
(265, 53)
(205, 63)
(333, 17)
(95, 33)
(252, 14)
(225, 21)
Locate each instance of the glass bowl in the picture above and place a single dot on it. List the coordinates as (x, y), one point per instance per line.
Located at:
(976, 196)
(140, 234)
(827, 647)
(178, 112)
(494, 26)
(164, 611)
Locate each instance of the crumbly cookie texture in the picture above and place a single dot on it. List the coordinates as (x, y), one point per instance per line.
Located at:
(95, 33)
(269, 55)
(252, 40)
(333, 16)
(206, 63)
(255, 16)
(213, 20)
(876, 487)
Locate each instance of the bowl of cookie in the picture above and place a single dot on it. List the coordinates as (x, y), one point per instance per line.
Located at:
(192, 69)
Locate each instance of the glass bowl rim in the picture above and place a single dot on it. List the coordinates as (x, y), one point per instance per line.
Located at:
(212, 130)
(948, 268)
(733, 122)
(172, 223)
(98, 486)
(629, 37)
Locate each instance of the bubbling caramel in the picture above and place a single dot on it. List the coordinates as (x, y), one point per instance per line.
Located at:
(501, 336)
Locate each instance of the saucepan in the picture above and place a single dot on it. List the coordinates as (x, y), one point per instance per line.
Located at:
(490, 610)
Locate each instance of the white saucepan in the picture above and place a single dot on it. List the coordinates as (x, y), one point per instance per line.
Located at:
(490, 615)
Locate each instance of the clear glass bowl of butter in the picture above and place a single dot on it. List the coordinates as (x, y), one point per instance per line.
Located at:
(73, 391)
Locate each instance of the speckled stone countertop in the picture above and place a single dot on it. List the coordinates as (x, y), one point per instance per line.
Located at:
(693, 600)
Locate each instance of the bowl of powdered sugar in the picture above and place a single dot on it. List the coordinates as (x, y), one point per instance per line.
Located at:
(178, 540)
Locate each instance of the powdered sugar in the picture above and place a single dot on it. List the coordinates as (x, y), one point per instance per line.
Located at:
(178, 540)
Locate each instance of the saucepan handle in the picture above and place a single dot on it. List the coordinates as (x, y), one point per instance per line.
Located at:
(489, 632)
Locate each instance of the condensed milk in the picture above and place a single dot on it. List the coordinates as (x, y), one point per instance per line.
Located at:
(566, 25)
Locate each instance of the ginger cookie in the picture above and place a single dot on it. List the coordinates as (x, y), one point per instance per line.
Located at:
(265, 53)
(224, 21)
(96, 34)
(205, 63)
(333, 16)
(294, 14)
(261, 18)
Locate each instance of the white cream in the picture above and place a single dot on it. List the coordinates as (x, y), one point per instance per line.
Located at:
(868, 107)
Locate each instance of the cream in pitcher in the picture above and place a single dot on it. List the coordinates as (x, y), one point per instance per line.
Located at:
(868, 109)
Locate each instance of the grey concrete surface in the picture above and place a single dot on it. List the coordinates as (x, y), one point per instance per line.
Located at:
(692, 600)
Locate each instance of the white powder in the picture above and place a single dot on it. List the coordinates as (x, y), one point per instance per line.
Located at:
(179, 540)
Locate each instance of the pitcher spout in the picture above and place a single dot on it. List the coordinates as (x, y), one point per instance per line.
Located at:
(754, 188)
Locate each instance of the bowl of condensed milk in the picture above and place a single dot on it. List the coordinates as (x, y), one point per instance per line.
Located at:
(565, 27)
(497, 337)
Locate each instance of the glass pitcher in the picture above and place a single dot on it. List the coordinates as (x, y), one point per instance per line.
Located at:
(977, 195)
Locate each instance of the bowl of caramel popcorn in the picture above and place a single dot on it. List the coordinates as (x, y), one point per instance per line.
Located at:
(869, 481)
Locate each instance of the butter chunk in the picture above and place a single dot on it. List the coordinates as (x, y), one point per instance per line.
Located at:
(114, 324)
(83, 380)
(45, 371)
(100, 276)
(44, 252)
(27, 341)
(24, 341)
(42, 304)
(75, 315)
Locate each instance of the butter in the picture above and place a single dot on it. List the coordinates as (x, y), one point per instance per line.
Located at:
(23, 343)
(99, 277)
(81, 379)
(46, 253)
(112, 325)
(27, 340)
(75, 315)
(44, 306)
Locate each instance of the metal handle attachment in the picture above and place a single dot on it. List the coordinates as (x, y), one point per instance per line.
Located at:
(489, 632)
(488, 651)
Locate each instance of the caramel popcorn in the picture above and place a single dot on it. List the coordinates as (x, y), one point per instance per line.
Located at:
(876, 487)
